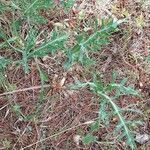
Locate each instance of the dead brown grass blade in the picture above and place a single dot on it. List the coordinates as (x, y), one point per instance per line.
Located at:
(25, 89)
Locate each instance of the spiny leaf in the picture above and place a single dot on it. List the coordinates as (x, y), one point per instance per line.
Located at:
(89, 138)
(94, 126)
(4, 62)
(49, 46)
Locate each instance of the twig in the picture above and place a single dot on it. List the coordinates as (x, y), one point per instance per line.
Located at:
(61, 132)
(21, 135)
(26, 89)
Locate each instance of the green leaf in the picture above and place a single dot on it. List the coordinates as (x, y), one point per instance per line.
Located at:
(15, 27)
(148, 59)
(4, 62)
(49, 46)
(67, 3)
(75, 49)
(31, 6)
(103, 113)
(38, 19)
(89, 138)
(69, 60)
(94, 126)
(126, 130)
(30, 41)
(124, 90)
(43, 75)
(25, 62)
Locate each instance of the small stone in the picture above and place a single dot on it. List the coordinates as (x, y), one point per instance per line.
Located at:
(77, 139)
(142, 138)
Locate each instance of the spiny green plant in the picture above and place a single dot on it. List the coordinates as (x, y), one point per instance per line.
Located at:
(28, 48)
(5, 85)
(80, 51)
(109, 94)
(17, 109)
(4, 62)
(28, 10)
(85, 44)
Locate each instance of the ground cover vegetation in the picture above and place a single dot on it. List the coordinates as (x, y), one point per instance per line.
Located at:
(74, 74)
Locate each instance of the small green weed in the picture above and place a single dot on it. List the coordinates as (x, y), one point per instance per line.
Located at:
(86, 44)
(122, 129)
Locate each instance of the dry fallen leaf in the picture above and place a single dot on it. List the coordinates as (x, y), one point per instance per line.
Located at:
(62, 82)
